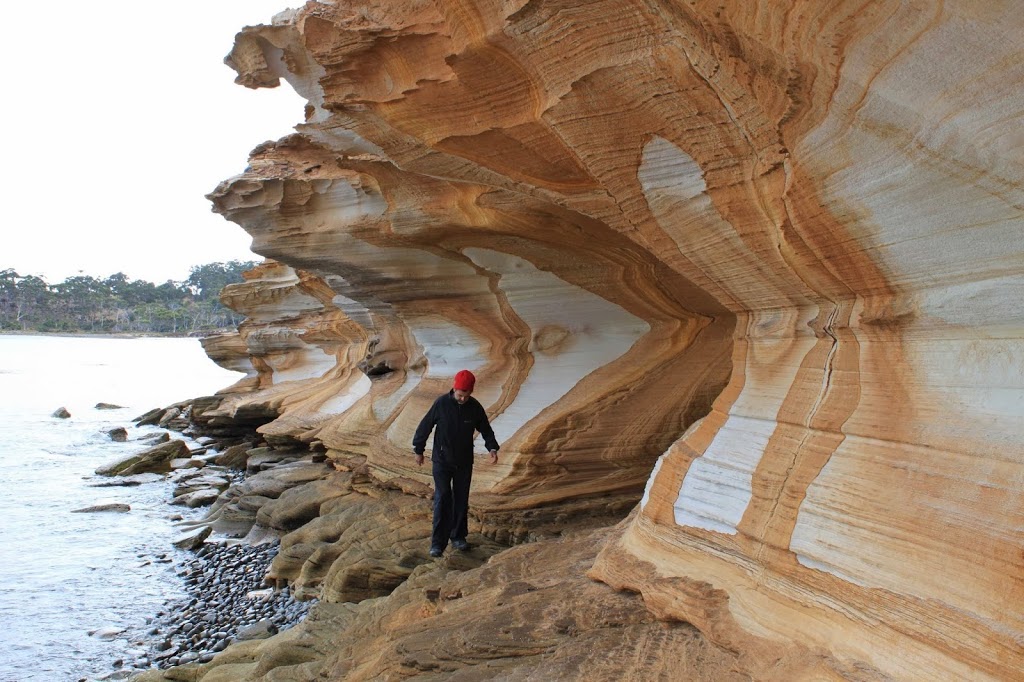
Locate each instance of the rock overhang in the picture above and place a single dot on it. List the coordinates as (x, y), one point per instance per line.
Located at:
(825, 274)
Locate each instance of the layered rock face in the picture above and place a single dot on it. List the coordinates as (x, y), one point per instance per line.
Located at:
(772, 251)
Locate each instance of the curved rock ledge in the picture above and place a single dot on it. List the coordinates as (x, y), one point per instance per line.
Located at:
(771, 251)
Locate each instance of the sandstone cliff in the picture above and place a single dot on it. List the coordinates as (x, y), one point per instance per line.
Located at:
(765, 257)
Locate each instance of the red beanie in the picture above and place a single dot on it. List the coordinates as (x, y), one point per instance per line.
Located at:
(464, 381)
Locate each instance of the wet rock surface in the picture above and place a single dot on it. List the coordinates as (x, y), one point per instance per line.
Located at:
(156, 459)
(111, 507)
(225, 600)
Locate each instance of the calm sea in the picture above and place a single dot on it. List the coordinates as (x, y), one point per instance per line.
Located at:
(64, 575)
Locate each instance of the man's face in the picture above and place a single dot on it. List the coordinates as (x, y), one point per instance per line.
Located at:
(462, 396)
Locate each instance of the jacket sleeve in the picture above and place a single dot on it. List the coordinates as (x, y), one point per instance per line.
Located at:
(484, 427)
(419, 441)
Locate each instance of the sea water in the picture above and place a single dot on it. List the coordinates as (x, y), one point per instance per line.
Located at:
(65, 575)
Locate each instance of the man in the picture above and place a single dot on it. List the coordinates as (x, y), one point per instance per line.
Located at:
(457, 416)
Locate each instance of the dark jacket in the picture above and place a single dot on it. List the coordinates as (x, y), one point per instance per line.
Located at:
(456, 426)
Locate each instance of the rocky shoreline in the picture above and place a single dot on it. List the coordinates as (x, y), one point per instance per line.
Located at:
(311, 551)
(317, 569)
(226, 594)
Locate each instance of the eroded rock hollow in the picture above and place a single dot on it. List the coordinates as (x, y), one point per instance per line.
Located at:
(765, 257)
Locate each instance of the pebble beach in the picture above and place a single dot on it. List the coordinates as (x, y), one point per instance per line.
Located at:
(224, 600)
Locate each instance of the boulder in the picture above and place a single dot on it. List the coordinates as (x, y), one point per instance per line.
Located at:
(115, 675)
(200, 498)
(187, 463)
(169, 415)
(259, 630)
(261, 459)
(127, 481)
(208, 458)
(159, 437)
(194, 483)
(117, 483)
(234, 457)
(106, 633)
(113, 507)
(120, 434)
(150, 676)
(61, 413)
(154, 459)
(149, 418)
(108, 406)
(191, 541)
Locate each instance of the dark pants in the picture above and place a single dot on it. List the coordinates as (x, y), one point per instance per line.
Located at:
(451, 503)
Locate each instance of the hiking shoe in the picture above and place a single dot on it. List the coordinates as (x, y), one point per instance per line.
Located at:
(436, 551)
(460, 545)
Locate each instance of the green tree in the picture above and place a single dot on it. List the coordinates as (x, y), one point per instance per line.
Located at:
(23, 300)
(116, 303)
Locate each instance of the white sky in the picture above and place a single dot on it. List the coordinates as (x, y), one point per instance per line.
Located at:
(118, 117)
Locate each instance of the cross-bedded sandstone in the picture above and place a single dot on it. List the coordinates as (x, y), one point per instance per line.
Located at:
(772, 250)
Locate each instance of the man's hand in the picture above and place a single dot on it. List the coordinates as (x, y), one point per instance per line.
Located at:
(419, 460)
(494, 456)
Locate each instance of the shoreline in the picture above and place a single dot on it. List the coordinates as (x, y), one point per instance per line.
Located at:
(225, 600)
(113, 335)
(225, 597)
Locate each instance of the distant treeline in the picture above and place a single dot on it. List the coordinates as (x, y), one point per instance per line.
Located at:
(117, 304)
